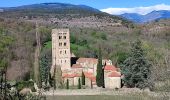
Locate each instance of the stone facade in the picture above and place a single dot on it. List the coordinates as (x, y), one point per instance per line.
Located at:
(112, 82)
(61, 48)
(61, 57)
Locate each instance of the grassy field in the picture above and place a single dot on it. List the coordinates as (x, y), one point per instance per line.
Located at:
(104, 97)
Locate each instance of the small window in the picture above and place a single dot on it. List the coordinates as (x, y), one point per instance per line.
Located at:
(64, 37)
(61, 61)
(65, 52)
(60, 37)
(65, 61)
(60, 44)
(60, 52)
(64, 44)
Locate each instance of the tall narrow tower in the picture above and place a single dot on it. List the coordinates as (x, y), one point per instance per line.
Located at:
(61, 48)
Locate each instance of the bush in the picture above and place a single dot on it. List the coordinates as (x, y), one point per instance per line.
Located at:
(25, 84)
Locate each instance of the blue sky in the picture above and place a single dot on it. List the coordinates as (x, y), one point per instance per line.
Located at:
(104, 5)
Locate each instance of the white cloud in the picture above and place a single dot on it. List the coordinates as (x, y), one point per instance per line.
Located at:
(139, 10)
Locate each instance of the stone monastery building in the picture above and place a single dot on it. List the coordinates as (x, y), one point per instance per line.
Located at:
(61, 57)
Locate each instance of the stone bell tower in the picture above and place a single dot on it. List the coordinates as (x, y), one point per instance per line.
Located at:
(61, 48)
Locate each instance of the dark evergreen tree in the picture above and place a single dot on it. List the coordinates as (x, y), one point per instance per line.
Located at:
(67, 84)
(99, 77)
(83, 78)
(103, 85)
(57, 77)
(54, 78)
(136, 68)
(43, 69)
(45, 63)
(79, 83)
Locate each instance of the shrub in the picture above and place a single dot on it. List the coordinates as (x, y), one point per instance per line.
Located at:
(25, 84)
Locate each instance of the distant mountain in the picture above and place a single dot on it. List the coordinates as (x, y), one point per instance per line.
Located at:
(133, 17)
(59, 8)
(53, 8)
(64, 12)
(1, 10)
(152, 16)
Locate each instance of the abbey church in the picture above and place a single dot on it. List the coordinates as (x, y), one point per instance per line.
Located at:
(62, 57)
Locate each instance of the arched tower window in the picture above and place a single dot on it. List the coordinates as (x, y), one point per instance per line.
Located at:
(60, 37)
(65, 43)
(60, 44)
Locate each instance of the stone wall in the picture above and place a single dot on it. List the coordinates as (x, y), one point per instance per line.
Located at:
(112, 82)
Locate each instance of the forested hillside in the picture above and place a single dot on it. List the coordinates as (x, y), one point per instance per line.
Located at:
(113, 33)
(21, 47)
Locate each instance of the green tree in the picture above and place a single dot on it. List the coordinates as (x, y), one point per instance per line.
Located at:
(54, 78)
(5, 56)
(58, 77)
(67, 84)
(45, 64)
(103, 36)
(120, 57)
(83, 78)
(43, 70)
(136, 68)
(56, 81)
(100, 74)
(79, 83)
(45, 34)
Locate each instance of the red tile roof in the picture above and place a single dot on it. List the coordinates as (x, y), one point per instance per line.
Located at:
(114, 74)
(76, 66)
(77, 75)
(90, 76)
(88, 60)
(110, 68)
(72, 75)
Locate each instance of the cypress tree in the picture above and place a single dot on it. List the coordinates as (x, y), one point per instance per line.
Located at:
(79, 83)
(83, 78)
(54, 79)
(103, 85)
(67, 84)
(136, 68)
(99, 77)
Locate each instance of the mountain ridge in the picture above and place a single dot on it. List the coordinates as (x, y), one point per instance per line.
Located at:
(63, 12)
(152, 16)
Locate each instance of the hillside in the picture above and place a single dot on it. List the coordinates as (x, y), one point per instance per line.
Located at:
(66, 15)
(88, 30)
(82, 20)
(152, 16)
(50, 8)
